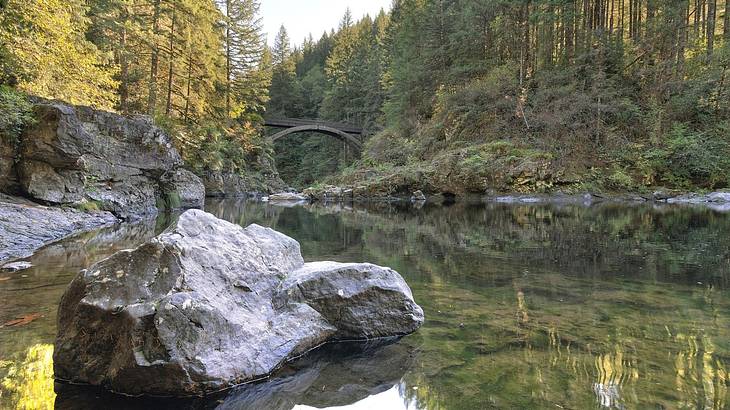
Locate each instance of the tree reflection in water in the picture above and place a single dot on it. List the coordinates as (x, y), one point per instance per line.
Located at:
(527, 306)
(30, 382)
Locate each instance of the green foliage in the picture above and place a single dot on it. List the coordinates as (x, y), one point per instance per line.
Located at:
(89, 206)
(592, 103)
(229, 146)
(46, 53)
(689, 158)
(248, 72)
(16, 112)
(619, 180)
(389, 147)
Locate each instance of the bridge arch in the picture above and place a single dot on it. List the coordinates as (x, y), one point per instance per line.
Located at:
(322, 129)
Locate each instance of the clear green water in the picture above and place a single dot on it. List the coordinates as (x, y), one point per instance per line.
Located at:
(527, 307)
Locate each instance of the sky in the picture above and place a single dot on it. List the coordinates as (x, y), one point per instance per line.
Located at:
(301, 17)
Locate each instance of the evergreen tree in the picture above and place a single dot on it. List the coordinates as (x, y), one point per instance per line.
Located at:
(246, 89)
(45, 47)
(286, 93)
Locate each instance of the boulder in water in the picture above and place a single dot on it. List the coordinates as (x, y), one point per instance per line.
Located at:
(209, 304)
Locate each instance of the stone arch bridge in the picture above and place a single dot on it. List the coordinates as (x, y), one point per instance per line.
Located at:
(350, 134)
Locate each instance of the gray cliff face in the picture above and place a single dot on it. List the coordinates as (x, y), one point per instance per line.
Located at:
(223, 184)
(208, 305)
(125, 165)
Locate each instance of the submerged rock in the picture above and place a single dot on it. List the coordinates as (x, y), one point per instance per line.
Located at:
(287, 197)
(418, 196)
(16, 266)
(208, 305)
(694, 198)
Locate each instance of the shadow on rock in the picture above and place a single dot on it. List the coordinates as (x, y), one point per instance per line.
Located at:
(337, 374)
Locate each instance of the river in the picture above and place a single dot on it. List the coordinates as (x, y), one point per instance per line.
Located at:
(528, 306)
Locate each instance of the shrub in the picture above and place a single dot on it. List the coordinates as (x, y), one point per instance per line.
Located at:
(694, 158)
(233, 146)
(388, 147)
(619, 179)
(16, 112)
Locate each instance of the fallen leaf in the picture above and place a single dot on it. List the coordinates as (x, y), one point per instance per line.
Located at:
(23, 320)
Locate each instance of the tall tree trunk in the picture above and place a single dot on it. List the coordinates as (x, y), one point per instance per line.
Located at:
(711, 17)
(682, 23)
(697, 17)
(550, 46)
(152, 97)
(569, 32)
(123, 65)
(639, 18)
(588, 24)
(190, 80)
(726, 24)
(525, 53)
(229, 56)
(170, 71)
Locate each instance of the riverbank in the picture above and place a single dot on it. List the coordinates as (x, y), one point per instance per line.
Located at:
(719, 200)
(68, 169)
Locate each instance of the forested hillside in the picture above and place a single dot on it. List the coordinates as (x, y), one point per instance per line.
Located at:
(199, 67)
(455, 95)
(531, 95)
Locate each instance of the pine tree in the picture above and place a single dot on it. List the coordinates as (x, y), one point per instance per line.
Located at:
(244, 47)
(285, 90)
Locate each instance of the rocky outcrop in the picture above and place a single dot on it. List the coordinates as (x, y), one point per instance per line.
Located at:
(254, 183)
(208, 305)
(8, 174)
(218, 185)
(26, 226)
(125, 165)
(330, 193)
(182, 189)
(287, 197)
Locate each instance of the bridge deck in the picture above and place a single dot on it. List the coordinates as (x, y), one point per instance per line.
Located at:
(295, 122)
